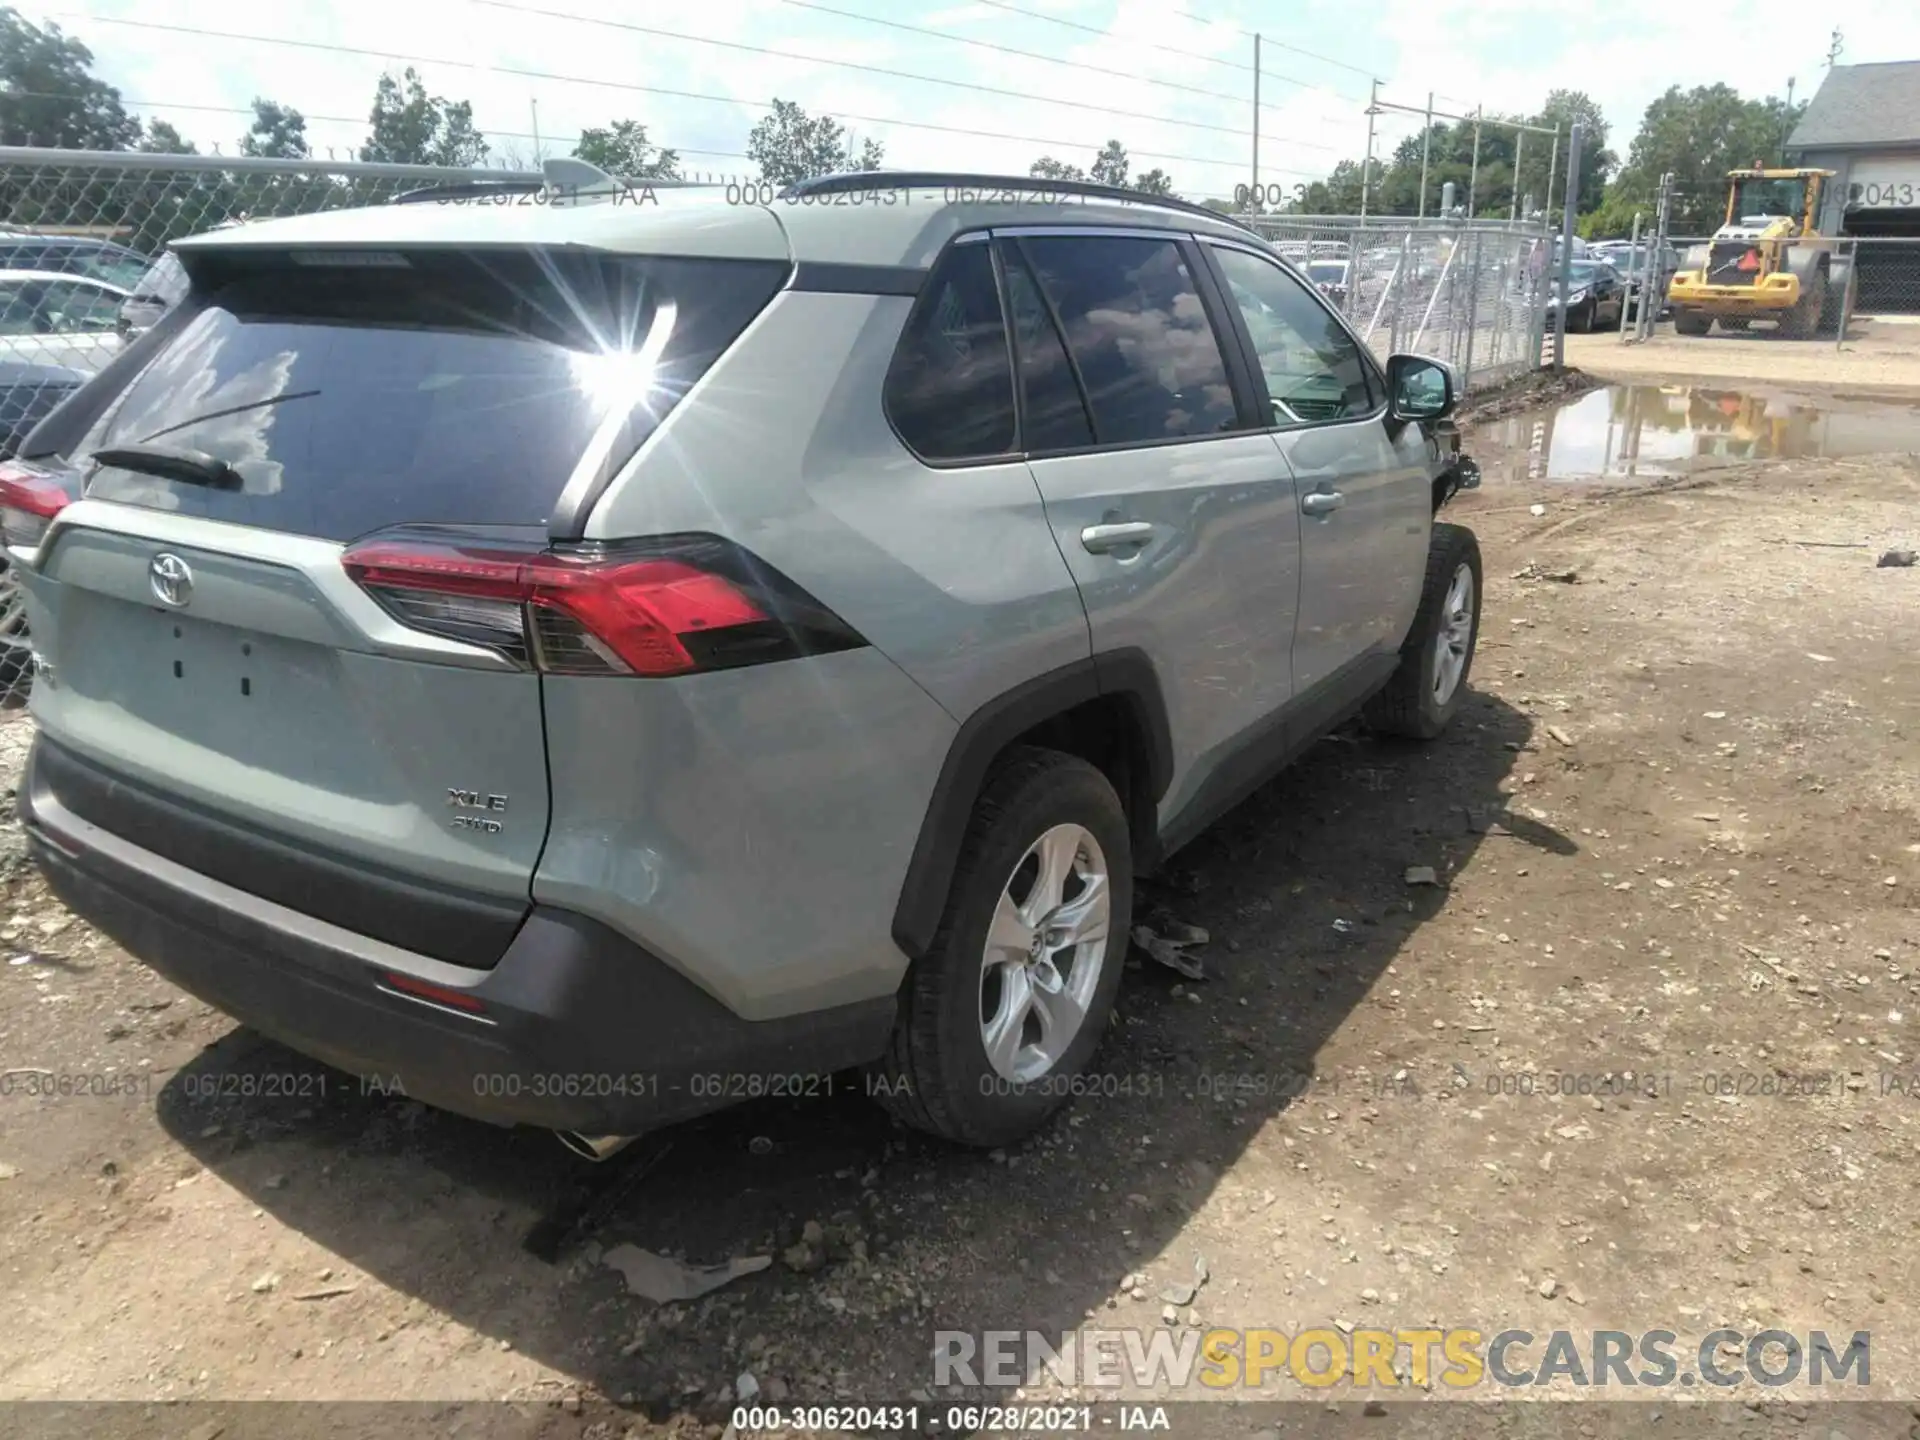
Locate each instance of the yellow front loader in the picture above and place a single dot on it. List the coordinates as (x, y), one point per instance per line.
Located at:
(1767, 261)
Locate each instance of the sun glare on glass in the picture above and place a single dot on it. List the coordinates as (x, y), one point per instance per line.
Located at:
(613, 377)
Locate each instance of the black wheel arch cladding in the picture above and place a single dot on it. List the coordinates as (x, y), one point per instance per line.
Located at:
(1125, 677)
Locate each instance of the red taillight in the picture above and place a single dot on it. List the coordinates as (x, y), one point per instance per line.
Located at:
(29, 499)
(437, 994)
(693, 605)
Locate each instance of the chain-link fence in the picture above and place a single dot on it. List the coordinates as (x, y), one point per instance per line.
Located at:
(1475, 294)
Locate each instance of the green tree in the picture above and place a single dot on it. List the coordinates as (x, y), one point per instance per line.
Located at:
(411, 127)
(1597, 161)
(163, 139)
(790, 145)
(1048, 168)
(49, 96)
(622, 149)
(1697, 135)
(279, 132)
(1110, 166)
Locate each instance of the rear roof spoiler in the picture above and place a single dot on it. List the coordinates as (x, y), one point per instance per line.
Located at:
(563, 179)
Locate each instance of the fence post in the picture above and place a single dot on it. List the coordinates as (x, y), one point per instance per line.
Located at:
(1633, 254)
(1566, 247)
(1846, 297)
(1473, 313)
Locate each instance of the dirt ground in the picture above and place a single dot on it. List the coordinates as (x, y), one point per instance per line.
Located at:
(1882, 355)
(1643, 1057)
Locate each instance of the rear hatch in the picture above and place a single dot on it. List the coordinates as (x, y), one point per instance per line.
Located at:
(240, 664)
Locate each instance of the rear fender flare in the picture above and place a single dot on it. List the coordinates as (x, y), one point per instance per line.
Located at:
(1125, 675)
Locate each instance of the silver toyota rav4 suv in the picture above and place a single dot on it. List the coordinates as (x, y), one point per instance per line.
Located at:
(588, 658)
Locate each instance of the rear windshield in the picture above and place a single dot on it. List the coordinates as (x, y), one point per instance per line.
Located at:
(354, 391)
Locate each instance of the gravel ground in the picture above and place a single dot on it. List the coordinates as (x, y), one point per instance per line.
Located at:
(1880, 356)
(1674, 835)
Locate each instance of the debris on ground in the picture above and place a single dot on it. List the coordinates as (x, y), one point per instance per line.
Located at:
(1172, 953)
(662, 1279)
(1559, 574)
(1182, 1292)
(1895, 560)
(1422, 875)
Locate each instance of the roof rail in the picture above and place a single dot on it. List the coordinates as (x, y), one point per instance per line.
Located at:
(941, 179)
(561, 176)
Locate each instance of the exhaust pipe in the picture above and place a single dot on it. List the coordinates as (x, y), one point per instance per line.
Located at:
(594, 1147)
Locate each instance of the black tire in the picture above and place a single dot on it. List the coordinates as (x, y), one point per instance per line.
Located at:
(936, 1075)
(1686, 322)
(1803, 321)
(1408, 705)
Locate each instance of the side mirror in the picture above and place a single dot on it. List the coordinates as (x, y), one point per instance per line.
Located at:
(1419, 388)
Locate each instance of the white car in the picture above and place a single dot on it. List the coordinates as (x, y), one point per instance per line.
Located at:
(48, 318)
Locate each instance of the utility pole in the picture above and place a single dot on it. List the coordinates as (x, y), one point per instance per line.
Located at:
(1519, 142)
(1426, 150)
(1366, 165)
(1256, 121)
(534, 106)
(1787, 133)
(1566, 247)
(1473, 174)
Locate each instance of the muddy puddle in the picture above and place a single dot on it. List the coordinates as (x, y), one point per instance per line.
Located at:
(1648, 432)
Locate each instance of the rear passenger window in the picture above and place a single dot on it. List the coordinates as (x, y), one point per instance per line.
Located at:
(1147, 353)
(949, 391)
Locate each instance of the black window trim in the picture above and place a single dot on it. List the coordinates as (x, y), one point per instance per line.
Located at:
(1223, 316)
(926, 297)
(1250, 356)
(1240, 380)
(1018, 246)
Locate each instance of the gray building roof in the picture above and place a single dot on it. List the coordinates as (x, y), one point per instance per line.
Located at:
(1863, 105)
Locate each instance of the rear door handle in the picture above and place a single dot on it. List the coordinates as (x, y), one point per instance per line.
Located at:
(1322, 502)
(1100, 539)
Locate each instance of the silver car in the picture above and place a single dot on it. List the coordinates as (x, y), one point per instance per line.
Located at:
(585, 663)
(52, 318)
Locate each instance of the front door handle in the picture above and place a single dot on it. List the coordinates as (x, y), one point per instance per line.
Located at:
(1322, 502)
(1100, 539)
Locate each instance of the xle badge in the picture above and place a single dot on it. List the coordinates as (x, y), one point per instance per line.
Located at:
(476, 811)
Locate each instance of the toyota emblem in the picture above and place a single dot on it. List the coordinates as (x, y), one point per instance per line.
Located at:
(171, 578)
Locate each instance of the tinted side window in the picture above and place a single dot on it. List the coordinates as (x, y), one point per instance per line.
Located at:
(1056, 415)
(1311, 363)
(1134, 321)
(949, 391)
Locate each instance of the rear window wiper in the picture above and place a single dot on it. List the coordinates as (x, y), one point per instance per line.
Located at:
(169, 462)
(233, 410)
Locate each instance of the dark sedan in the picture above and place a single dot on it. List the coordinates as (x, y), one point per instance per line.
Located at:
(1594, 298)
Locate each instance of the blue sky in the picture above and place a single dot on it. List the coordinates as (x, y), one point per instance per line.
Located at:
(1172, 79)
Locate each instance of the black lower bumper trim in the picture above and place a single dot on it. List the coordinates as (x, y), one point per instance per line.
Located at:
(578, 1028)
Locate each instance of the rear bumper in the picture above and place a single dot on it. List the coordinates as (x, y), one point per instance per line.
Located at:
(575, 1028)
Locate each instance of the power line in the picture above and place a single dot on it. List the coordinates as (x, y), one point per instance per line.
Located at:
(891, 73)
(728, 100)
(360, 120)
(1009, 50)
(1267, 39)
(1242, 65)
